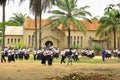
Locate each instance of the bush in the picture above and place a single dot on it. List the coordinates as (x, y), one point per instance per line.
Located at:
(76, 46)
(18, 45)
(97, 48)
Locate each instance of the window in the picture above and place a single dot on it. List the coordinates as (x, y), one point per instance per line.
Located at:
(71, 40)
(18, 40)
(8, 40)
(77, 40)
(81, 41)
(15, 41)
(74, 40)
(32, 40)
(11, 40)
(90, 41)
(29, 40)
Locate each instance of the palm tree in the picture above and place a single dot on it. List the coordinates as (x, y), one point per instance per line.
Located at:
(18, 18)
(0, 33)
(37, 7)
(109, 23)
(67, 15)
(3, 4)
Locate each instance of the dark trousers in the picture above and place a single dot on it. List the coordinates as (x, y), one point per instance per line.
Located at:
(3, 59)
(9, 58)
(103, 58)
(12, 58)
(35, 57)
(76, 58)
(62, 59)
(49, 58)
(43, 60)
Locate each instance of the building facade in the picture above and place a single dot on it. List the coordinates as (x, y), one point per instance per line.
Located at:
(58, 37)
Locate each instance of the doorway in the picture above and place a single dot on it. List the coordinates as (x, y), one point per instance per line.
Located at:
(48, 43)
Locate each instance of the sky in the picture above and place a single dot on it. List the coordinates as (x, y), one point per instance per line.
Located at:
(96, 8)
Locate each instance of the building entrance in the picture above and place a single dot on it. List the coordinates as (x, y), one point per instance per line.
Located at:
(48, 43)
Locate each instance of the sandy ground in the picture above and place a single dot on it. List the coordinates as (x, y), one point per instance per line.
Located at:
(26, 70)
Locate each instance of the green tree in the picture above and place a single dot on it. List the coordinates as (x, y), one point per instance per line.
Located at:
(95, 18)
(17, 19)
(110, 22)
(67, 15)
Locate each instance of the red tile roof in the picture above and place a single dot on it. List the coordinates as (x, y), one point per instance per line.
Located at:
(29, 24)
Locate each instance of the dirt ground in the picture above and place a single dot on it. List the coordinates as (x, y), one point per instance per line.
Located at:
(26, 70)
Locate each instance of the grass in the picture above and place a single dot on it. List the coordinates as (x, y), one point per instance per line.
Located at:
(82, 60)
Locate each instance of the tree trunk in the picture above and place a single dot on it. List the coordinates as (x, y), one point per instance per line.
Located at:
(69, 38)
(40, 33)
(114, 33)
(3, 25)
(35, 31)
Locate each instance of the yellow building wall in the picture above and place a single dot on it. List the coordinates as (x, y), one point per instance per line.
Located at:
(12, 40)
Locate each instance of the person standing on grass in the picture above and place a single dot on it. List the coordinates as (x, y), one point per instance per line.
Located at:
(62, 56)
(35, 54)
(70, 56)
(3, 56)
(49, 56)
(44, 56)
(103, 54)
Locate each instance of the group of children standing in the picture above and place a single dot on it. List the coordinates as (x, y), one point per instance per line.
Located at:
(11, 54)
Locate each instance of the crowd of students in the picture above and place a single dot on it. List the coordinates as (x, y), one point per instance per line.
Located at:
(47, 54)
(87, 52)
(12, 55)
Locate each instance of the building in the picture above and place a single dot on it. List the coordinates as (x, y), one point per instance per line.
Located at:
(13, 34)
(58, 37)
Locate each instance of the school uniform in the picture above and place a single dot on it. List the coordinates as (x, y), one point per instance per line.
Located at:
(70, 57)
(44, 57)
(26, 54)
(118, 53)
(9, 55)
(76, 55)
(3, 57)
(35, 54)
(62, 56)
(49, 57)
(12, 55)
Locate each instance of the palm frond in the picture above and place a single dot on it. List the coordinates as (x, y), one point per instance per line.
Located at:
(56, 12)
(79, 25)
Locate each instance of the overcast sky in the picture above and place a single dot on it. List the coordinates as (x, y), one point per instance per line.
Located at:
(96, 7)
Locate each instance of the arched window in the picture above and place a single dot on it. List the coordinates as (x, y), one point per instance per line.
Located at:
(70, 40)
(8, 40)
(12, 40)
(81, 41)
(90, 41)
(29, 40)
(15, 40)
(18, 40)
(77, 40)
(74, 40)
(32, 40)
